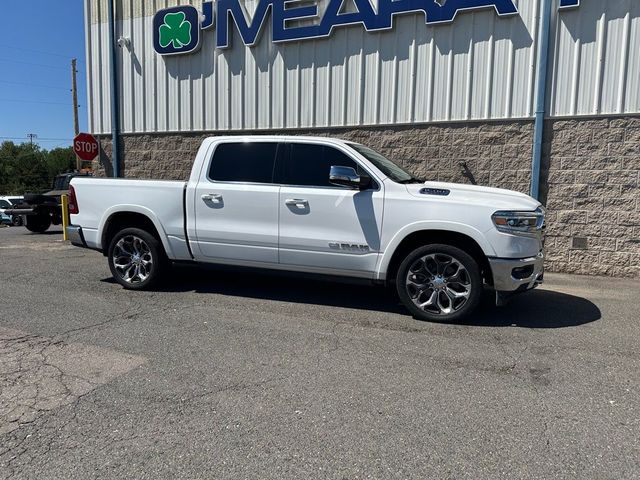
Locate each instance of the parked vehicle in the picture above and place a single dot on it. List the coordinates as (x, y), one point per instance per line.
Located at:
(317, 205)
(9, 203)
(39, 211)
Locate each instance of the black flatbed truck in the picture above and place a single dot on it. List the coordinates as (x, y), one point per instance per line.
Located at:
(41, 210)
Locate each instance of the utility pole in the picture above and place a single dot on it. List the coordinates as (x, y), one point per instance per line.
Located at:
(31, 137)
(74, 94)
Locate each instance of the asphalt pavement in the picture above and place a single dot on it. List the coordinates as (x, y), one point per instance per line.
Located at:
(229, 375)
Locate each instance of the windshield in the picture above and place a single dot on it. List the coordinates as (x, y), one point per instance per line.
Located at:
(62, 182)
(386, 166)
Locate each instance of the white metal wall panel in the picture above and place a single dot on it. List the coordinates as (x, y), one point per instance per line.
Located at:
(595, 59)
(98, 71)
(481, 66)
(629, 98)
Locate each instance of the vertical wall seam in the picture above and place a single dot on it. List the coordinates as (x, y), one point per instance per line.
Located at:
(414, 62)
(394, 82)
(508, 106)
(575, 77)
(449, 86)
(362, 80)
(378, 81)
(489, 79)
(469, 83)
(601, 48)
(532, 62)
(624, 63)
(89, 66)
(431, 86)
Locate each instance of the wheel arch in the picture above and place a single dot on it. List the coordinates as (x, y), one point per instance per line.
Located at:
(131, 217)
(479, 250)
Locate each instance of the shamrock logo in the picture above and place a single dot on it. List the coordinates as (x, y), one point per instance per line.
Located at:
(175, 30)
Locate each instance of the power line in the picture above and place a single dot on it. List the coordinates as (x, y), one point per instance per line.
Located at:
(10, 60)
(36, 85)
(34, 101)
(39, 138)
(40, 51)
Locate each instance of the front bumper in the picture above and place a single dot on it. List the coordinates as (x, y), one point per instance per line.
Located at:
(74, 234)
(516, 275)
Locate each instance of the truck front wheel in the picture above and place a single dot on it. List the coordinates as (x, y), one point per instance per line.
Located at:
(439, 283)
(38, 223)
(136, 259)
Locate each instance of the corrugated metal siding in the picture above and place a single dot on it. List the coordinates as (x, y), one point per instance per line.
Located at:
(479, 67)
(596, 67)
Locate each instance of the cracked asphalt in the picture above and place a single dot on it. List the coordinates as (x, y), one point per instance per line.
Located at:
(224, 374)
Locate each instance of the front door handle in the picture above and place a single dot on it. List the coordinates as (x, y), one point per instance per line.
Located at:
(212, 197)
(297, 202)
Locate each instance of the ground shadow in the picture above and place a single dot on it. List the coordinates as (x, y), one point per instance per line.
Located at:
(281, 287)
(48, 232)
(537, 309)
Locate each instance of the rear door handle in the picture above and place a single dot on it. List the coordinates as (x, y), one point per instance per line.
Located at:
(297, 202)
(212, 197)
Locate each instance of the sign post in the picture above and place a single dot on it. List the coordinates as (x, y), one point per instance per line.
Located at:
(86, 147)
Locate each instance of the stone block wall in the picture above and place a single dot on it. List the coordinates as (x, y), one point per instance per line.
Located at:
(589, 181)
(496, 154)
(591, 176)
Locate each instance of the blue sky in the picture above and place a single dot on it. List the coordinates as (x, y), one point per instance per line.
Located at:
(38, 38)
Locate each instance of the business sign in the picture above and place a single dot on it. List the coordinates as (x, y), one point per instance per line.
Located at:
(177, 30)
(568, 4)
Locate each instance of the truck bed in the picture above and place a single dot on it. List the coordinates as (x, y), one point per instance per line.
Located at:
(160, 200)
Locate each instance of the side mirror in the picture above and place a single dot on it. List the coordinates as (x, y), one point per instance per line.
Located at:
(348, 177)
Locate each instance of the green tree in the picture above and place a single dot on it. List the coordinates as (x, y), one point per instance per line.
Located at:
(26, 168)
(59, 160)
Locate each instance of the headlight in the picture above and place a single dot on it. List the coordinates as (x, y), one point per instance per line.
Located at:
(515, 222)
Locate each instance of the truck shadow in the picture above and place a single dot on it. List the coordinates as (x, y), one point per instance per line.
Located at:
(543, 309)
(539, 308)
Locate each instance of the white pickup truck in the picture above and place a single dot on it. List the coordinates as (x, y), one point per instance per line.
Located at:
(318, 205)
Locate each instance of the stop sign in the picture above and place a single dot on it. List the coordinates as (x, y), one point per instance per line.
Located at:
(86, 146)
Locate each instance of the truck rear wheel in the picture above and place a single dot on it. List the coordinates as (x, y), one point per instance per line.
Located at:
(136, 259)
(439, 283)
(38, 223)
(16, 220)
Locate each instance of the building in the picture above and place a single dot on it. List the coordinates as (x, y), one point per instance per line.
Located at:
(446, 87)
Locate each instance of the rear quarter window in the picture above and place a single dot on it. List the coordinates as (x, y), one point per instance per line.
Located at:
(250, 162)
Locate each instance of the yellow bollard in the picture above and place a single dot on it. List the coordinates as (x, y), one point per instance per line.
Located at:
(65, 216)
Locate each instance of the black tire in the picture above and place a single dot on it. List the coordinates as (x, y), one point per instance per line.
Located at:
(38, 223)
(16, 220)
(146, 257)
(448, 284)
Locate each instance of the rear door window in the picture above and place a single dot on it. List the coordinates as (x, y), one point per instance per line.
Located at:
(248, 162)
(309, 164)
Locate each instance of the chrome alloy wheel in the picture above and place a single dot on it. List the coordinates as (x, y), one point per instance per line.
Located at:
(438, 284)
(132, 259)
